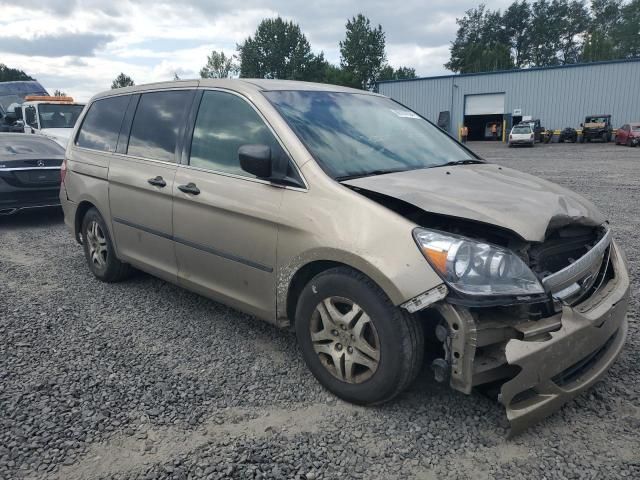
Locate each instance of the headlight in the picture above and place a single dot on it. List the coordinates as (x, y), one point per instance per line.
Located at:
(476, 268)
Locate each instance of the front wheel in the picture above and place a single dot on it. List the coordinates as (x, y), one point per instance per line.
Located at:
(354, 340)
(99, 251)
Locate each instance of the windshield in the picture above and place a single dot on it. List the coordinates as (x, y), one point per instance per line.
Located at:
(522, 129)
(352, 134)
(597, 120)
(54, 115)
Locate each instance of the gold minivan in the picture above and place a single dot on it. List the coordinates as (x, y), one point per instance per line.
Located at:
(355, 220)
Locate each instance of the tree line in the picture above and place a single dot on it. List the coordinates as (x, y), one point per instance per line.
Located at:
(280, 50)
(545, 33)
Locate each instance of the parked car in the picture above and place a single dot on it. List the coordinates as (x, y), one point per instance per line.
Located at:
(362, 224)
(597, 127)
(629, 135)
(29, 172)
(536, 126)
(568, 134)
(522, 134)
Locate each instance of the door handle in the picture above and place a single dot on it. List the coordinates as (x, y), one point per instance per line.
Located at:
(157, 182)
(189, 188)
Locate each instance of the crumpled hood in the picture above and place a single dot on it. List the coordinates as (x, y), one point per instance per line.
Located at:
(488, 193)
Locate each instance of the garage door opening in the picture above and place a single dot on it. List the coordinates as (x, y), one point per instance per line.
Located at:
(480, 126)
(481, 113)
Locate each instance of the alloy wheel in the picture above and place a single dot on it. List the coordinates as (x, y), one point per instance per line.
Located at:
(97, 243)
(345, 339)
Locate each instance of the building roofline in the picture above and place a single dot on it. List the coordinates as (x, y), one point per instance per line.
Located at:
(515, 70)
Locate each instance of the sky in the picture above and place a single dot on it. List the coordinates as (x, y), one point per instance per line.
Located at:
(80, 46)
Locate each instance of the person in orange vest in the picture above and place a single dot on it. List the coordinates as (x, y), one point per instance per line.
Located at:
(494, 131)
(464, 133)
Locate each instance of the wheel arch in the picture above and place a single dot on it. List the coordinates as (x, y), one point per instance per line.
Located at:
(81, 210)
(289, 290)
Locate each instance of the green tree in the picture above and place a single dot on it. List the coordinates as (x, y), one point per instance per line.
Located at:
(482, 43)
(219, 65)
(402, 73)
(598, 47)
(572, 20)
(546, 32)
(598, 43)
(122, 80)
(517, 30)
(626, 32)
(12, 74)
(363, 52)
(59, 93)
(278, 49)
(605, 15)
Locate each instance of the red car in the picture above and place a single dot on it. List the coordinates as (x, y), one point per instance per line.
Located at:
(629, 135)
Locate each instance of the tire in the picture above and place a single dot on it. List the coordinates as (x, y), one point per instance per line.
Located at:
(392, 335)
(99, 251)
(629, 142)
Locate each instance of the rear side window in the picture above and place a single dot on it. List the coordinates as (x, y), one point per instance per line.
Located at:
(101, 125)
(155, 128)
(224, 123)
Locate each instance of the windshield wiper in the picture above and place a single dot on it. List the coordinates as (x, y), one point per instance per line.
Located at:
(369, 174)
(460, 162)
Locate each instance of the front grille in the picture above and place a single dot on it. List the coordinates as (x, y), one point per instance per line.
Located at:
(572, 262)
(562, 248)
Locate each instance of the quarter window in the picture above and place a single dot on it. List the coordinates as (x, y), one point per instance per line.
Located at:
(155, 128)
(224, 123)
(101, 126)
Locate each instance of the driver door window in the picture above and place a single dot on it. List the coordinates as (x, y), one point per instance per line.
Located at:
(224, 123)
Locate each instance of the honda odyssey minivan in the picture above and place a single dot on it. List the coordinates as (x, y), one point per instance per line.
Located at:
(360, 224)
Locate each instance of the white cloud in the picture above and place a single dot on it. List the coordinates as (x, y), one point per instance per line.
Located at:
(150, 40)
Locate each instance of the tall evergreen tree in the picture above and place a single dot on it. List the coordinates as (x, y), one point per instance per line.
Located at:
(122, 80)
(278, 49)
(363, 52)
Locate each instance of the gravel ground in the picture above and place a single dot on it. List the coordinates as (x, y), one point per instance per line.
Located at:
(145, 380)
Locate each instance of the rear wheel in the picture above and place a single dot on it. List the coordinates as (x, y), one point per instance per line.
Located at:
(99, 251)
(354, 340)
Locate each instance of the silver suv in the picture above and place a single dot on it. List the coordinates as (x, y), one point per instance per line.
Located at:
(361, 224)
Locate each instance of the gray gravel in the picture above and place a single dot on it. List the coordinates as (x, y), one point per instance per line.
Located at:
(145, 380)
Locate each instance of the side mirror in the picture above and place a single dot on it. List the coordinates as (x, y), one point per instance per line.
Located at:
(256, 160)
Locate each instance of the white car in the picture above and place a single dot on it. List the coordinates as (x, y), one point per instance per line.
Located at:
(53, 117)
(522, 134)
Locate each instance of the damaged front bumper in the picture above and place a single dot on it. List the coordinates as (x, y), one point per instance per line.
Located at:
(542, 364)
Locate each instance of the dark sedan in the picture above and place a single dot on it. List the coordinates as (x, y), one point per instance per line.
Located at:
(29, 172)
